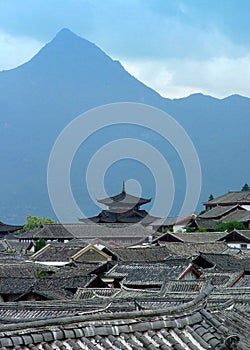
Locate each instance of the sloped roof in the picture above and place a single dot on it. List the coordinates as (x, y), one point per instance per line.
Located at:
(237, 215)
(131, 216)
(221, 278)
(168, 328)
(169, 221)
(231, 198)
(208, 224)
(200, 237)
(13, 245)
(23, 269)
(5, 228)
(195, 286)
(91, 293)
(55, 287)
(218, 211)
(124, 198)
(50, 232)
(145, 254)
(16, 285)
(243, 282)
(173, 220)
(56, 251)
(192, 249)
(227, 262)
(89, 232)
(150, 273)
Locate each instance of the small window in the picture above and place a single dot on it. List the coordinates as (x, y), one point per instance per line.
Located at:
(243, 246)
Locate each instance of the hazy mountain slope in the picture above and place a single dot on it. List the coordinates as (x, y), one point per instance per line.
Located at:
(69, 76)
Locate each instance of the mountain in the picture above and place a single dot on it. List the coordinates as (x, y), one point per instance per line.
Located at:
(71, 75)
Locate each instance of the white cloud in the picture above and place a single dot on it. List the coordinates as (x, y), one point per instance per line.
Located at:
(218, 77)
(16, 50)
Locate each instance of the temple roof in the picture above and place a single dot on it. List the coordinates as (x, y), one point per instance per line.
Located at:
(130, 216)
(125, 199)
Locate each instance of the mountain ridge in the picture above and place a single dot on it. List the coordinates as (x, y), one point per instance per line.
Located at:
(71, 75)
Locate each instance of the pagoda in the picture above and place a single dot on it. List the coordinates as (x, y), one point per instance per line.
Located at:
(123, 208)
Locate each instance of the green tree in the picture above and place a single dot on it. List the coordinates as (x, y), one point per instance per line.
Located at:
(190, 229)
(211, 197)
(245, 188)
(229, 226)
(40, 244)
(202, 229)
(34, 221)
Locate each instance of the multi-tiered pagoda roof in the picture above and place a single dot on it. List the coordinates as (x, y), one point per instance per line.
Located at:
(123, 208)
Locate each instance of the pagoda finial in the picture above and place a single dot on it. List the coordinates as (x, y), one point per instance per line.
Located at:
(123, 187)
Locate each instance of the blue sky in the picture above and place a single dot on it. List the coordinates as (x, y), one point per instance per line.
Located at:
(176, 47)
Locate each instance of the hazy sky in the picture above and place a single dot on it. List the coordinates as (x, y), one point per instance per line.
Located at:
(177, 47)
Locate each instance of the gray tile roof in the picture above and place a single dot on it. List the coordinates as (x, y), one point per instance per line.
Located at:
(218, 211)
(124, 198)
(243, 282)
(13, 246)
(87, 232)
(144, 253)
(226, 262)
(200, 237)
(221, 279)
(91, 293)
(195, 286)
(189, 326)
(169, 221)
(208, 224)
(237, 215)
(16, 285)
(231, 197)
(191, 249)
(5, 228)
(23, 269)
(48, 232)
(53, 287)
(150, 273)
(55, 251)
(130, 216)
(111, 231)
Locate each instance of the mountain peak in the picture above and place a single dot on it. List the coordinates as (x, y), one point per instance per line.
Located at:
(67, 51)
(67, 34)
(65, 31)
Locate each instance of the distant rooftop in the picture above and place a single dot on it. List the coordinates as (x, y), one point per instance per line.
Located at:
(230, 198)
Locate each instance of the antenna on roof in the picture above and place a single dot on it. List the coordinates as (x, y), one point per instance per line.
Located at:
(123, 187)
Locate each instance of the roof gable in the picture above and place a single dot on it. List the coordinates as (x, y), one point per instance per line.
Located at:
(168, 237)
(91, 254)
(237, 236)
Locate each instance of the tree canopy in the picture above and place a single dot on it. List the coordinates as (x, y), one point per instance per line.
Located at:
(229, 226)
(40, 244)
(211, 197)
(34, 221)
(245, 188)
